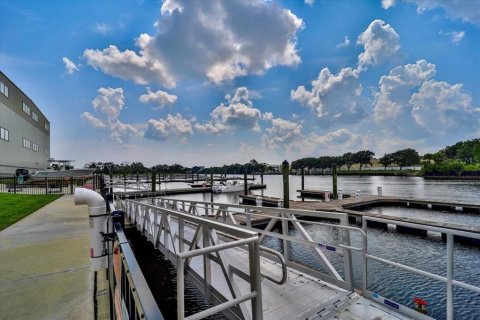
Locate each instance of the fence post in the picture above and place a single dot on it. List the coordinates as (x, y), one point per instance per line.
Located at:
(14, 184)
(71, 185)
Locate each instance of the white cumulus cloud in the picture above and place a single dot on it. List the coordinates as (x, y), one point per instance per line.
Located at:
(109, 104)
(69, 65)
(109, 101)
(395, 89)
(220, 40)
(93, 121)
(380, 42)
(160, 98)
(412, 104)
(162, 129)
(333, 96)
(439, 106)
(237, 113)
(281, 133)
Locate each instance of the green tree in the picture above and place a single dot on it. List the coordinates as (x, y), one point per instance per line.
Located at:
(348, 159)
(406, 157)
(363, 157)
(386, 160)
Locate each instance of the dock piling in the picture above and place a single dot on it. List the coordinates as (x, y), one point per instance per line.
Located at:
(303, 182)
(286, 189)
(334, 182)
(245, 185)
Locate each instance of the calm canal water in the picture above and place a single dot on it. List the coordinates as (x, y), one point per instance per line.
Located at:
(427, 254)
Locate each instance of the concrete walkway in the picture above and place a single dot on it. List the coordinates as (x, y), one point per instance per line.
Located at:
(44, 265)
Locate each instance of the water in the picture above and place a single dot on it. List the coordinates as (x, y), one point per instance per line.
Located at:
(427, 254)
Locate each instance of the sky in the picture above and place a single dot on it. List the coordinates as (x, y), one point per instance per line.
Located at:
(218, 82)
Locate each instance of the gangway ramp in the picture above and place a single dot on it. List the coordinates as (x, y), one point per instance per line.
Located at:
(242, 279)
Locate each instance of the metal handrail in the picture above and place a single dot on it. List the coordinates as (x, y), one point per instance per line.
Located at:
(132, 283)
(139, 212)
(282, 262)
(450, 282)
(283, 215)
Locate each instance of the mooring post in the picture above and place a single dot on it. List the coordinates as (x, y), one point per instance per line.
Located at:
(211, 184)
(245, 185)
(334, 181)
(261, 177)
(303, 182)
(286, 189)
(154, 180)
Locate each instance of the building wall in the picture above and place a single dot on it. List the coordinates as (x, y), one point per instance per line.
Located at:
(20, 125)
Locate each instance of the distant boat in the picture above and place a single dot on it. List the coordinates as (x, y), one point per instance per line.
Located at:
(72, 173)
(230, 186)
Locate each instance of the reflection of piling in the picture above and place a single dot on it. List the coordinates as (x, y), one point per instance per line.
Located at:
(286, 189)
(334, 181)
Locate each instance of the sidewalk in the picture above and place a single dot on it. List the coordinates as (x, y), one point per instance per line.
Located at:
(44, 265)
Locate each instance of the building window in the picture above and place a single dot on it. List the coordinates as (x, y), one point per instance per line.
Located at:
(47, 126)
(34, 116)
(4, 134)
(34, 147)
(27, 144)
(47, 152)
(3, 89)
(26, 108)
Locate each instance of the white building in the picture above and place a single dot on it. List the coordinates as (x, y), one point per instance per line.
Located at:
(24, 131)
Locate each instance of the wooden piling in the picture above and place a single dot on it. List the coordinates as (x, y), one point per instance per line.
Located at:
(286, 189)
(245, 185)
(154, 180)
(211, 184)
(303, 181)
(334, 181)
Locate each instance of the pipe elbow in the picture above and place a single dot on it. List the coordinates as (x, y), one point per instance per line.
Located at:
(88, 197)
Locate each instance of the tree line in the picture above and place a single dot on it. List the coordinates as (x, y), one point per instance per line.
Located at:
(253, 166)
(402, 158)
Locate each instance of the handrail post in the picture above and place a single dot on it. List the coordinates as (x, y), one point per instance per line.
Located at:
(449, 276)
(364, 258)
(255, 280)
(180, 288)
(286, 252)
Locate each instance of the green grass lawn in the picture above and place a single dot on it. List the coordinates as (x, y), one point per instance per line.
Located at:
(14, 207)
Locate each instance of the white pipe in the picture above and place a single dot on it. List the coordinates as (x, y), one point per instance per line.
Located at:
(98, 223)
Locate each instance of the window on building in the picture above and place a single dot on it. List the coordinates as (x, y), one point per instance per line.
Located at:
(34, 147)
(35, 116)
(4, 134)
(47, 126)
(3, 89)
(27, 144)
(26, 108)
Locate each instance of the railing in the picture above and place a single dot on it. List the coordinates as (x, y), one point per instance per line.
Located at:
(197, 244)
(20, 185)
(242, 216)
(130, 295)
(448, 280)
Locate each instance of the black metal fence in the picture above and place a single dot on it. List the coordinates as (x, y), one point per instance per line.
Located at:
(19, 185)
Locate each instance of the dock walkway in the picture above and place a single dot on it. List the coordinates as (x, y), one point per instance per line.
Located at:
(44, 265)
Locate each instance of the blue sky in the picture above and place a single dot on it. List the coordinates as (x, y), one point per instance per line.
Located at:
(214, 82)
